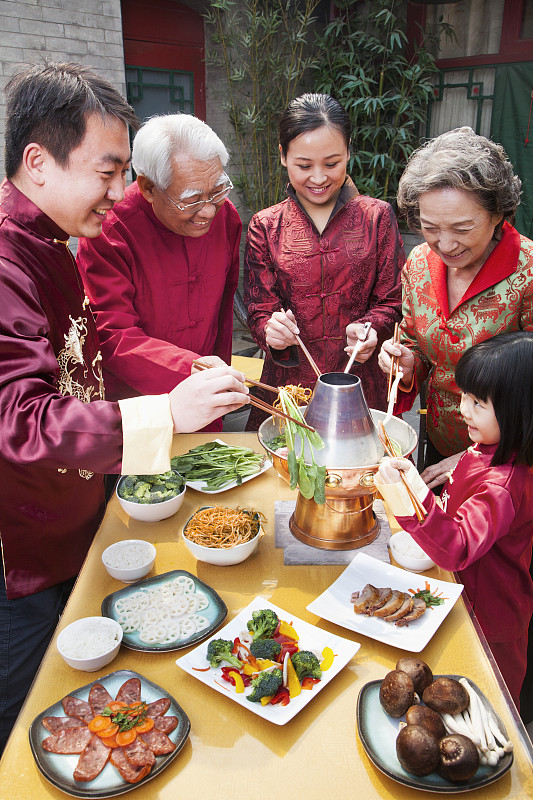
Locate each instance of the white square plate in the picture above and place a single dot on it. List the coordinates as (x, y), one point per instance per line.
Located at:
(199, 486)
(334, 604)
(311, 638)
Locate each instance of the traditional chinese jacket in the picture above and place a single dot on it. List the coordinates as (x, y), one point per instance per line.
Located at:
(500, 298)
(160, 299)
(348, 273)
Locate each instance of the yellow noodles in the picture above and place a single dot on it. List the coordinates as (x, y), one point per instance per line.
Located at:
(299, 394)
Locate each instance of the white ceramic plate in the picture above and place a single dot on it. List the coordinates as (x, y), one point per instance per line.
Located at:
(199, 485)
(311, 638)
(334, 604)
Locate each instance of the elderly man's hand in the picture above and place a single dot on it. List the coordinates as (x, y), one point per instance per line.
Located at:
(354, 331)
(205, 396)
(280, 330)
(213, 361)
(406, 359)
(439, 473)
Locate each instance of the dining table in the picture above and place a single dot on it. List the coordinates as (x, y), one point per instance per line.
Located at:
(231, 752)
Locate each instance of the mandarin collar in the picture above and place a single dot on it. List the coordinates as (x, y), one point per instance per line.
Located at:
(348, 191)
(15, 203)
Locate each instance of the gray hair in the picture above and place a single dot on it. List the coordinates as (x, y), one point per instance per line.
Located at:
(460, 159)
(163, 137)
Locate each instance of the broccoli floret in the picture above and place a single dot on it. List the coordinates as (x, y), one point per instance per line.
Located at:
(306, 664)
(265, 648)
(266, 684)
(142, 490)
(220, 650)
(263, 623)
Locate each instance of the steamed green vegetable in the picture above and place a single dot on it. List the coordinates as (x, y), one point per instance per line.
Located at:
(218, 464)
(309, 478)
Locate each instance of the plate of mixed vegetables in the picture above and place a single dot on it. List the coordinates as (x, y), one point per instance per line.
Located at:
(269, 661)
(216, 466)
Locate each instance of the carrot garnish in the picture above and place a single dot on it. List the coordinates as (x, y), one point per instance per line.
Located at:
(126, 737)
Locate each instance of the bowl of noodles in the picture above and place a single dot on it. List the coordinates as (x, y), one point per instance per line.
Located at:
(223, 536)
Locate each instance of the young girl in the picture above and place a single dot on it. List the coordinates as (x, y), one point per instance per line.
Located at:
(322, 262)
(484, 530)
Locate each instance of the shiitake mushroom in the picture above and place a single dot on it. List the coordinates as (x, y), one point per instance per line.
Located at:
(417, 750)
(426, 718)
(446, 695)
(418, 671)
(459, 758)
(396, 693)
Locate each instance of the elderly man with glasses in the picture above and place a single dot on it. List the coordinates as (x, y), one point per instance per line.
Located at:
(162, 275)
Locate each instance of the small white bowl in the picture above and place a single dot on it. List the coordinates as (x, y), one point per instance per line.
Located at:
(401, 542)
(129, 560)
(223, 556)
(150, 512)
(77, 633)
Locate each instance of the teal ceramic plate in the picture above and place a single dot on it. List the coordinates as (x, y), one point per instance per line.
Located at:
(59, 769)
(378, 733)
(146, 591)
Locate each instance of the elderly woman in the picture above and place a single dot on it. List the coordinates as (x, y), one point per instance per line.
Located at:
(472, 279)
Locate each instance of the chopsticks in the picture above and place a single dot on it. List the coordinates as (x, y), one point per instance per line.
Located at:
(254, 401)
(394, 360)
(385, 440)
(307, 353)
(366, 331)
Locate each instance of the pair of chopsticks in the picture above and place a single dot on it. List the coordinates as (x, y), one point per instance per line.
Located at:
(306, 353)
(366, 331)
(385, 440)
(254, 401)
(394, 361)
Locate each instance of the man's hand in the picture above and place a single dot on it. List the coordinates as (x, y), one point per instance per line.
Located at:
(205, 396)
(213, 361)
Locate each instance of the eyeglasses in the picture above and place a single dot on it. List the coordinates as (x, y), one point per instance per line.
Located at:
(192, 208)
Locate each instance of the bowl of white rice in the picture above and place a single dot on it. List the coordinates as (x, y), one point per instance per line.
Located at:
(90, 643)
(129, 560)
(408, 554)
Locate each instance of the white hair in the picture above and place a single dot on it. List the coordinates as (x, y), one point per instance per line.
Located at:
(163, 137)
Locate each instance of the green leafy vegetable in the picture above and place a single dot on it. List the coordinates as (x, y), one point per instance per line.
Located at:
(309, 478)
(218, 464)
(428, 598)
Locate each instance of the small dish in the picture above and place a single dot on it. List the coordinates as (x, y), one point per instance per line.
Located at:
(129, 560)
(408, 554)
(150, 512)
(310, 637)
(377, 732)
(222, 556)
(215, 611)
(81, 637)
(334, 604)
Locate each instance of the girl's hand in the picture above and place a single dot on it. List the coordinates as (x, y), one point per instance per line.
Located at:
(439, 473)
(354, 332)
(280, 330)
(389, 469)
(205, 396)
(406, 360)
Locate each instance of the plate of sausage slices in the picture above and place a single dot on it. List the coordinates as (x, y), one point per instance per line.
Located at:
(109, 736)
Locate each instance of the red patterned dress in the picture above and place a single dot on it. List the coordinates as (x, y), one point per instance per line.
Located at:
(499, 299)
(348, 273)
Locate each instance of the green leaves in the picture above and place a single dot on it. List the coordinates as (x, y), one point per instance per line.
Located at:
(218, 464)
(309, 478)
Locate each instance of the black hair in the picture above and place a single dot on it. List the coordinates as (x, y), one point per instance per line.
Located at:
(500, 369)
(49, 104)
(309, 112)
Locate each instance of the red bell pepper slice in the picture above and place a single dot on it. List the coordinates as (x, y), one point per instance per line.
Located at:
(308, 682)
(282, 697)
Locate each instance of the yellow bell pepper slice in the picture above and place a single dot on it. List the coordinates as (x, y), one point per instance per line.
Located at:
(292, 679)
(327, 658)
(266, 700)
(239, 683)
(248, 669)
(265, 663)
(287, 630)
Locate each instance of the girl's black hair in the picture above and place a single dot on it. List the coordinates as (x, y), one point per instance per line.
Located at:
(500, 369)
(309, 112)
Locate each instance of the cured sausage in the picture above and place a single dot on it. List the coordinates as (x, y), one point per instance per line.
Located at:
(139, 754)
(166, 724)
(130, 773)
(92, 760)
(99, 698)
(158, 707)
(158, 742)
(55, 724)
(74, 707)
(67, 742)
(130, 692)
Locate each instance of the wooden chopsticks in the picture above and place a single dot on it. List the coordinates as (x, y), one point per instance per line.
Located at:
(254, 401)
(385, 440)
(394, 360)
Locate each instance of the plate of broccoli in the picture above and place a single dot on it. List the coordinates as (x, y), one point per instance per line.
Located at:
(269, 661)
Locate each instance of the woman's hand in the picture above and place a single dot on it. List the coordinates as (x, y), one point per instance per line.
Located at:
(354, 333)
(439, 473)
(280, 330)
(205, 396)
(406, 360)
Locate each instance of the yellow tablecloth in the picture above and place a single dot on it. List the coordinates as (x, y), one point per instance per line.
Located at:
(232, 752)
